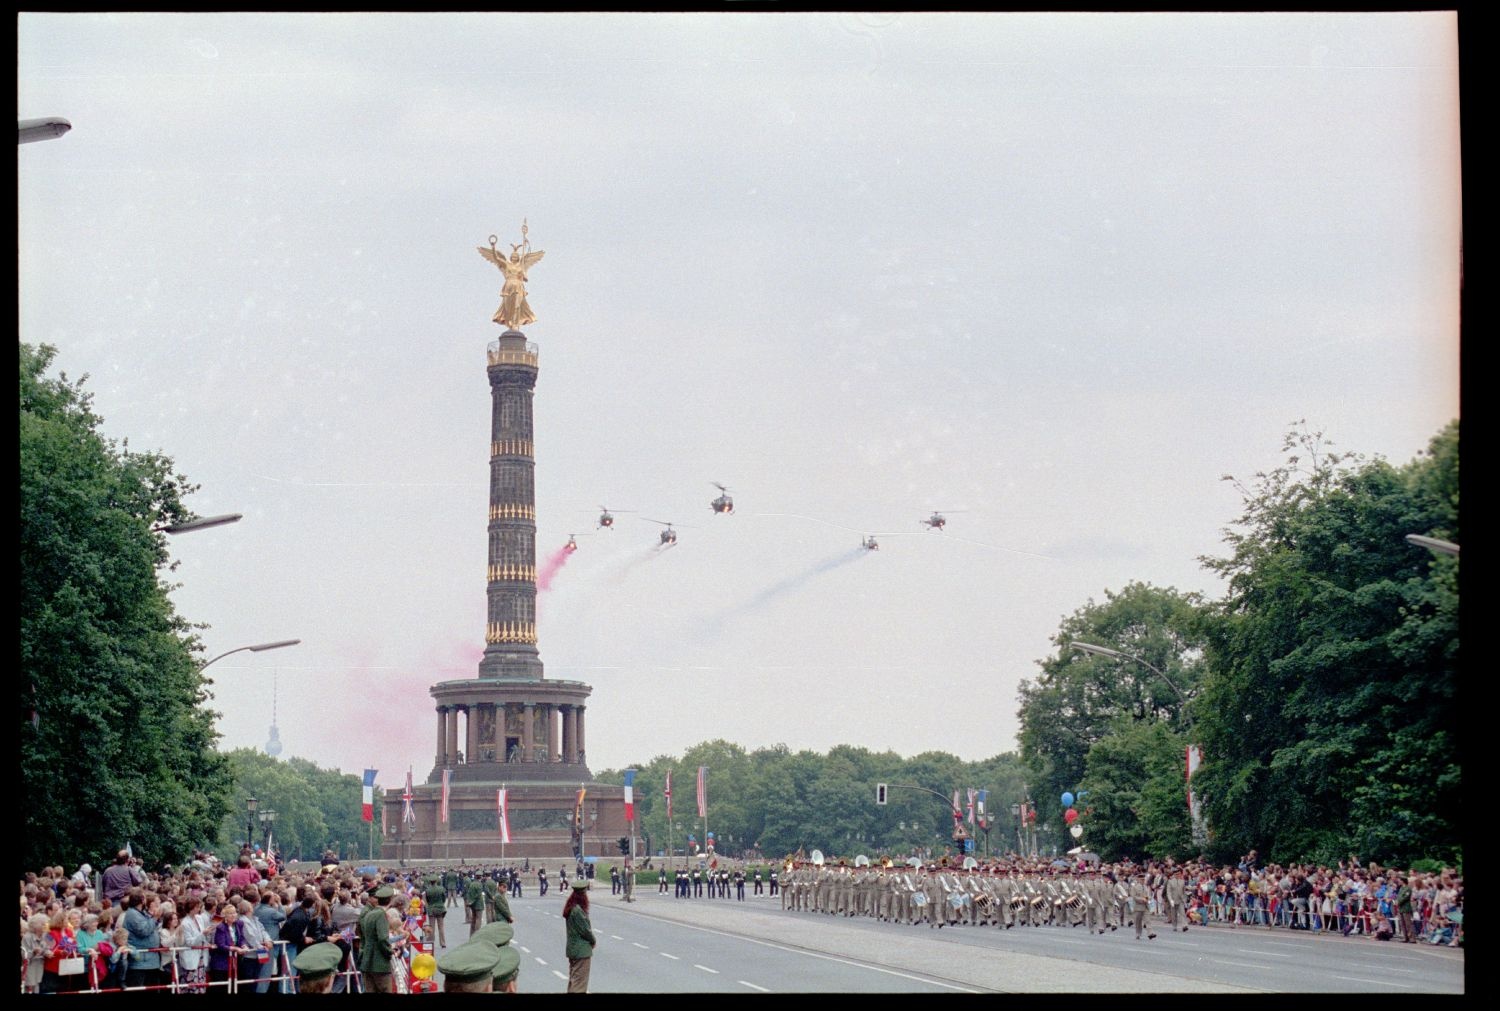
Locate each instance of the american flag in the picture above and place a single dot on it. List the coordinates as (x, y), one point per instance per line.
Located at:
(703, 791)
(668, 794)
(407, 814)
(446, 774)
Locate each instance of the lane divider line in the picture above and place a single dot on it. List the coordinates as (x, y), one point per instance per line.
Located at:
(674, 958)
(560, 975)
(1384, 982)
(639, 945)
(754, 987)
(705, 968)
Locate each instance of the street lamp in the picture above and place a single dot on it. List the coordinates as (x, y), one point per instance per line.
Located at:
(29, 131)
(268, 818)
(1433, 544)
(250, 805)
(1087, 647)
(257, 648)
(201, 523)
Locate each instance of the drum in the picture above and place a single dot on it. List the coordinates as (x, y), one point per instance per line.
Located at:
(958, 900)
(1018, 902)
(919, 899)
(983, 902)
(1074, 901)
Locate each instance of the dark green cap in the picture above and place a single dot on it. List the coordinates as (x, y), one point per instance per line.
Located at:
(508, 967)
(469, 962)
(498, 933)
(385, 892)
(580, 884)
(318, 960)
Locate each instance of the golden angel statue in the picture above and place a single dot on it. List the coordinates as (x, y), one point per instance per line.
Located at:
(514, 312)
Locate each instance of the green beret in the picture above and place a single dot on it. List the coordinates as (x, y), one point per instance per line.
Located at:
(318, 960)
(469, 962)
(580, 884)
(509, 965)
(498, 933)
(385, 892)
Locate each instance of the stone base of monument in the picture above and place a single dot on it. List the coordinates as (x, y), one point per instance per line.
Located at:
(540, 814)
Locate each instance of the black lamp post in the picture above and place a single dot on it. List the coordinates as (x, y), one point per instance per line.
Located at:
(250, 805)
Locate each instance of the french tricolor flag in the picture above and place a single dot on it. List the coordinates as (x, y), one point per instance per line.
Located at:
(630, 795)
(368, 798)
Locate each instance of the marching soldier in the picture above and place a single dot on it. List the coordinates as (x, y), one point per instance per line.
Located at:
(474, 901)
(1139, 898)
(1176, 899)
(437, 910)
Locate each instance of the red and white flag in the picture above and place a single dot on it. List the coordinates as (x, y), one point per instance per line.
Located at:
(444, 814)
(703, 791)
(407, 814)
(958, 814)
(969, 817)
(503, 804)
(668, 794)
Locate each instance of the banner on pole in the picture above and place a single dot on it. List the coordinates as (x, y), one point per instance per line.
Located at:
(408, 815)
(443, 814)
(630, 795)
(703, 791)
(503, 806)
(368, 796)
(668, 793)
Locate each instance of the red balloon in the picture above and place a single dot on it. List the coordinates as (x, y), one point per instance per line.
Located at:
(1070, 816)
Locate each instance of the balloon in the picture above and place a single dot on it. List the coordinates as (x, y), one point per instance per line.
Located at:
(1076, 830)
(1070, 815)
(1067, 799)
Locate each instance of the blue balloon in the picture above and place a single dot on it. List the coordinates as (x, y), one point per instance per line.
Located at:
(1067, 799)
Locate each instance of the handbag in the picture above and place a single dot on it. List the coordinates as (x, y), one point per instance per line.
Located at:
(70, 966)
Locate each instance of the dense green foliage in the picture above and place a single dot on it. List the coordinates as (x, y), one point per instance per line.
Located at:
(778, 801)
(116, 743)
(316, 808)
(1100, 723)
(1330, 722)
(1323, 687)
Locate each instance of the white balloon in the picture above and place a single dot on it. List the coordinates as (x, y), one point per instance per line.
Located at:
(1077, 831)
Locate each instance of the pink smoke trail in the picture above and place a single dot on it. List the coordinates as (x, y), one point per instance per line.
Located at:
(550, 567)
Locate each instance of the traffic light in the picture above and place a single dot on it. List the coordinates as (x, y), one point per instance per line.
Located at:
(624, 845)
(880, 793)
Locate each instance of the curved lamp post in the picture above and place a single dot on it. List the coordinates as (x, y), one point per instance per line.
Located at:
(28, 131)
(1433, 544)
(257, 648)
(1088, 647)
(201, 523)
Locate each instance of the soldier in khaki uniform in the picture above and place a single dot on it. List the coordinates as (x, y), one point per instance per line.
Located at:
(1175, 894)
(1140, 900)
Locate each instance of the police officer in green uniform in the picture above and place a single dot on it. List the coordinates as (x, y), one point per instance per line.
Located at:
(316, 965)
(474, 900)
(437, 910)
(469, 968)
(374, 933)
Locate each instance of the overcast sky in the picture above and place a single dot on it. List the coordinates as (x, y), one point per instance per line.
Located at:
(1055, 274)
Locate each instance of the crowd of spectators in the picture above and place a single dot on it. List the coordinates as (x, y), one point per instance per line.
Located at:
(243, 922)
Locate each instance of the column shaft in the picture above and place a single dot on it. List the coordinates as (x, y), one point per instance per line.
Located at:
(471, 738)
(442, 738)
(580, 754)
(527, 715)
(450, 718)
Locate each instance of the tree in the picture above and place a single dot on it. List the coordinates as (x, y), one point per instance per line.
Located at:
(117, 743)
(1136, 782)
(1079, 699)
(1330, 717)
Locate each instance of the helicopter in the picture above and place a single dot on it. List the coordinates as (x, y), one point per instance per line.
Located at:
(722, 504)
(606, 519)
(937, 521)
(572, 544)
(870, 543)
(668, 536)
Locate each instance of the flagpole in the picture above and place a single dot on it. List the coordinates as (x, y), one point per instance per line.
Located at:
(502, 827)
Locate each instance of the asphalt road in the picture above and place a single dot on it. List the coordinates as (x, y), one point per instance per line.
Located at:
(659, 944)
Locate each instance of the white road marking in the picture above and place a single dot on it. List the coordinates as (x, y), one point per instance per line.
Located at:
(705, 968)
(761, 988)
(1248, 965)
(539, 961)
(674, 958)
(616, 937)
(1382, 968)
(639, 945)
(1384, 982)
(1273, 954)
(812, 954)
(559, 975)
(524, 948)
